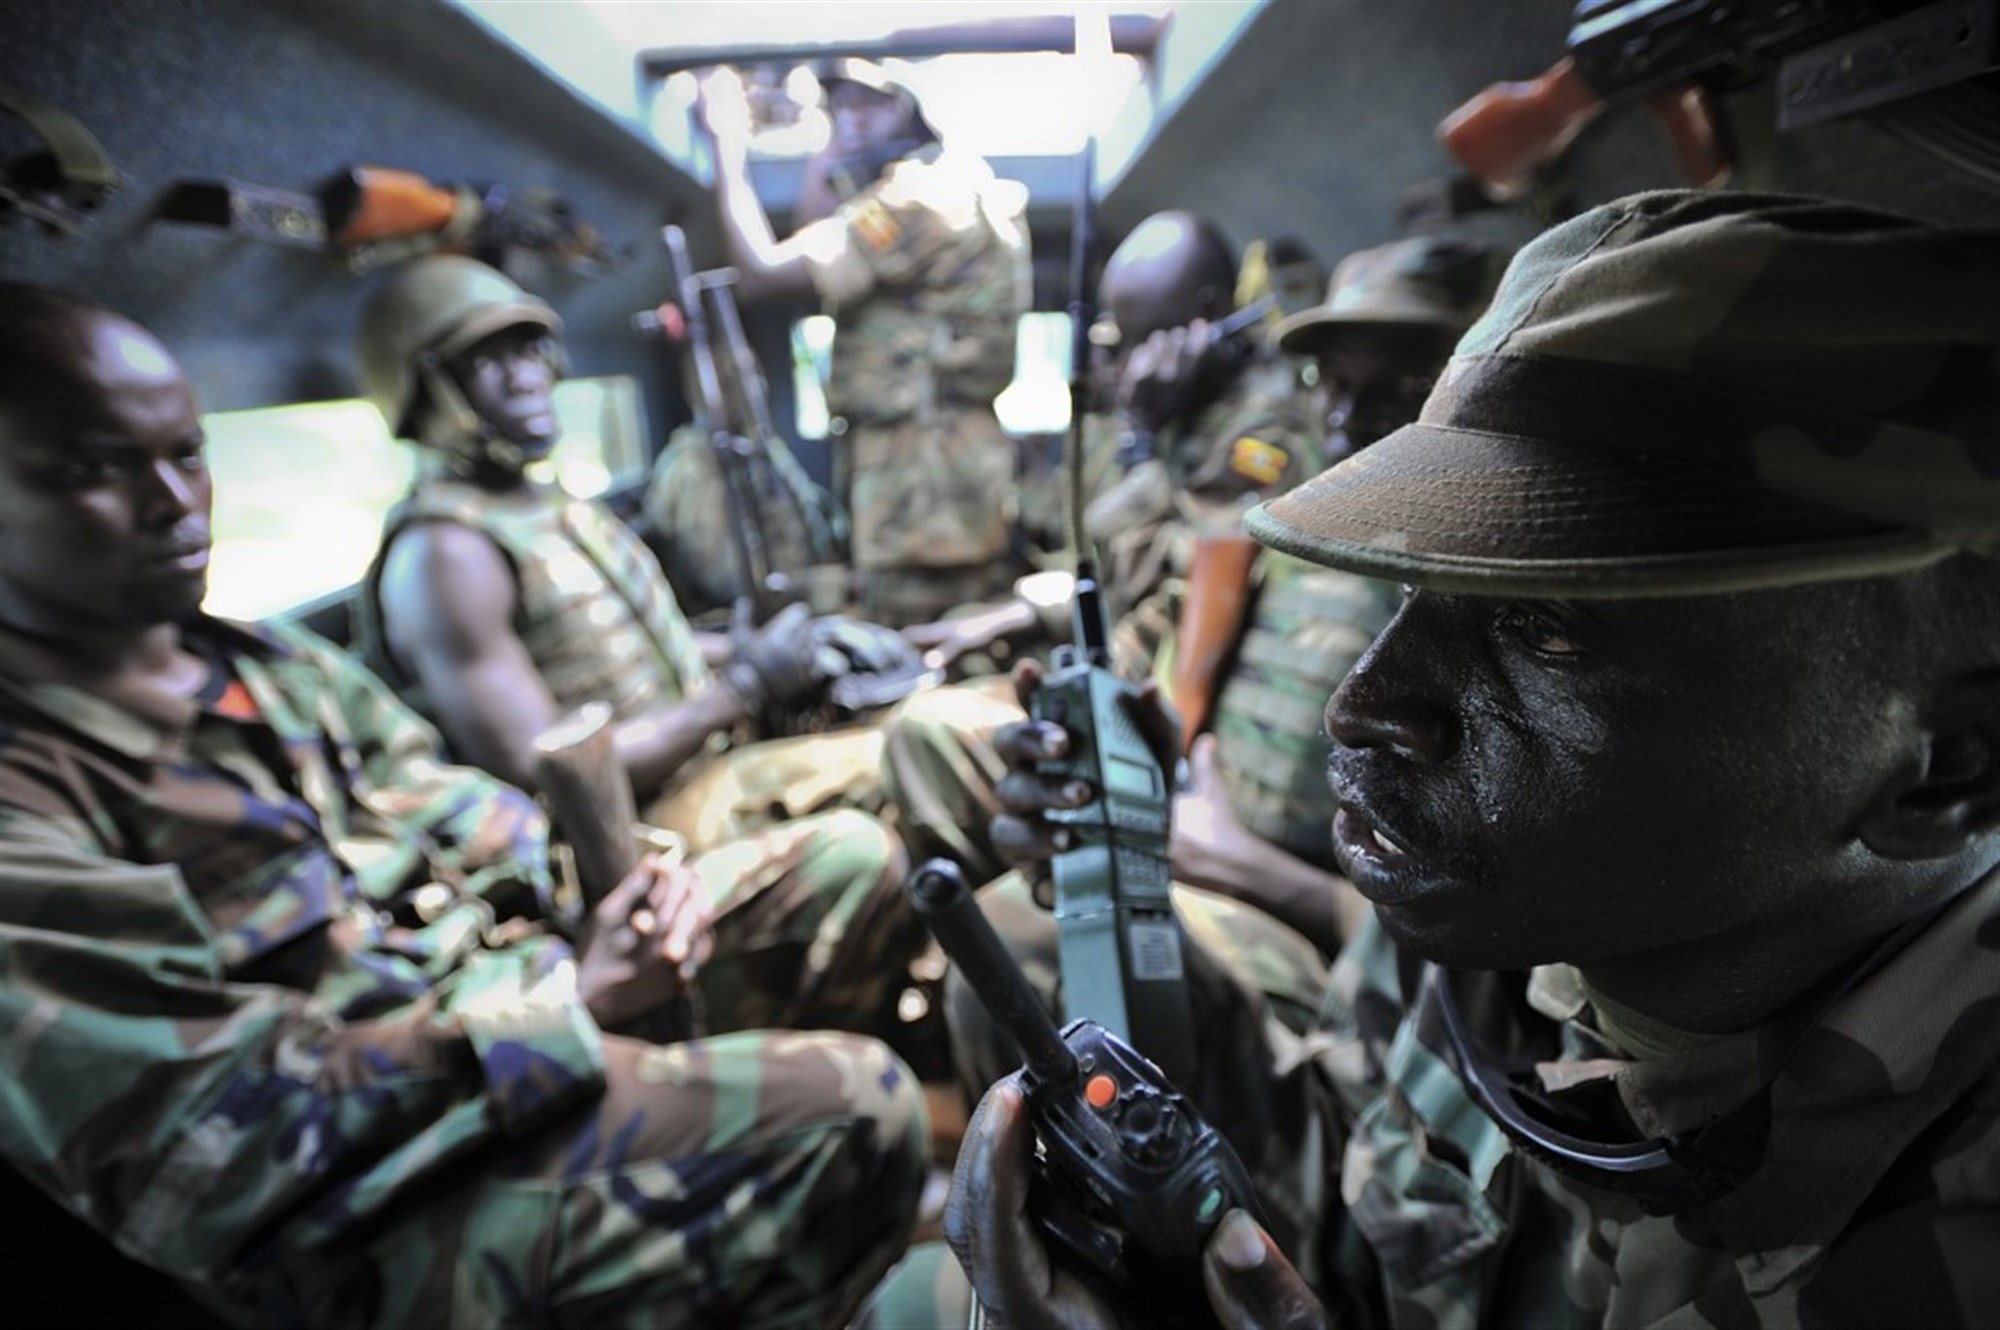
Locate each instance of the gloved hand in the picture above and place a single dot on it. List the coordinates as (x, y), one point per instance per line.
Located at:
(777, 665)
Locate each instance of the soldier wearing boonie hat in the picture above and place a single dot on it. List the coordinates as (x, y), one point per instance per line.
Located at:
(1714, 426)
(1674, 785)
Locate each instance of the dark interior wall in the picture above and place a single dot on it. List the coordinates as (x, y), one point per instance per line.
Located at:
(1324, 111)
(283, 94)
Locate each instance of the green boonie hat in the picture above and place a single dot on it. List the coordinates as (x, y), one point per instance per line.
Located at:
(1686, 392)
(1437, 282)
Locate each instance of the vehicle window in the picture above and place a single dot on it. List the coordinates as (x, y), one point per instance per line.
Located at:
(301, 490)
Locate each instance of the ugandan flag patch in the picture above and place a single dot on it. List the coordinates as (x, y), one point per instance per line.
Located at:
(1259, 462)
(877, 227)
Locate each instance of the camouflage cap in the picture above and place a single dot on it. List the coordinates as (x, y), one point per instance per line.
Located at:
(1686, 392)
(1438, 281)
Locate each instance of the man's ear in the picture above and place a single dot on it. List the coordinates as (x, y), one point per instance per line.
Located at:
(1948, 796)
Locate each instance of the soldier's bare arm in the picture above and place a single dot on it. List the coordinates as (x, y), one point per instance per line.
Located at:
(767, 266)
(449, 599)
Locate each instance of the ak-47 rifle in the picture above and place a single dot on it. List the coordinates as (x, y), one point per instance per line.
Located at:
(1120, 944)
(376, 215)
(735, 453)
(1211, 624)
(1831, 57)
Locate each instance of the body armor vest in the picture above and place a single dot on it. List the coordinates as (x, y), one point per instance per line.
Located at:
(595, 612)
(1309, 627)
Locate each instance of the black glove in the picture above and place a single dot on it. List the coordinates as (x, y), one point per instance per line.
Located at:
(778, 665)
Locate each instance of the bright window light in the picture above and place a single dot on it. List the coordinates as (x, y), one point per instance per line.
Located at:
(301, 491)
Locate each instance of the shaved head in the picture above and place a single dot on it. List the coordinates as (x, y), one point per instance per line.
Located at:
(47, 351)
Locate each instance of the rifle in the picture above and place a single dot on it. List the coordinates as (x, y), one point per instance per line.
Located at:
(1211, 622)
(1832, 57)
(376, 215)
(769, 590)
(1119, 942)
(590, 802)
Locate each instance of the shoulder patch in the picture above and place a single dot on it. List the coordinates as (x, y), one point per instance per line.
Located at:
(876, 225)
(1257, 461)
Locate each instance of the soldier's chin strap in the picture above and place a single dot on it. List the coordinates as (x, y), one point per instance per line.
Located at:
(1666, 1175)
(469, 445)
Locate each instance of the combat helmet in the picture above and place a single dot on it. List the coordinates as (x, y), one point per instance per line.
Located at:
(428, 312)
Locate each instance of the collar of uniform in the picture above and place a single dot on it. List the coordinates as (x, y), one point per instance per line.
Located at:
(1872, 1073)
(142, 723)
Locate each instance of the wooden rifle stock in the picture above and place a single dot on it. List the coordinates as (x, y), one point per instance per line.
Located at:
(1507, 133)
(370, 203)
(1211, 621)
(590, 797)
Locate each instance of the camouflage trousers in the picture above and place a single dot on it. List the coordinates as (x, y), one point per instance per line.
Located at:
(749, 789)
(757, 1179)
(812, 928)
(1256, 985)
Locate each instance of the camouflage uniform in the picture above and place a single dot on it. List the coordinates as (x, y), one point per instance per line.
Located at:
(1257, 438)
(927, 273)
(1883, 1141)
(293, 1017)
(688, 510)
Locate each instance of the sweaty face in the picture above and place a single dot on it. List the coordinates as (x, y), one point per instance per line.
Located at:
(104, 492)
(509, 381)
(1526, 782)
(1372, 384)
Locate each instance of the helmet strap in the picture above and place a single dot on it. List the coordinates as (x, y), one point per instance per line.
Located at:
(449, 427)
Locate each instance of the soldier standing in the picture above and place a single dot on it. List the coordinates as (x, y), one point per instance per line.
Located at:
(924, 265)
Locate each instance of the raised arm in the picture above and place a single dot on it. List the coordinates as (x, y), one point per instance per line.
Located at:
(766, 265)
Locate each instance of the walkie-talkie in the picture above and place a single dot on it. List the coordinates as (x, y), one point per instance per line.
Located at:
(1129, 1179)
(1120, 943)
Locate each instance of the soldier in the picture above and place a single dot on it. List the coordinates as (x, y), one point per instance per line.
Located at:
(924, 266)
(501, 603)
(1257, 888)
(293, 1012)
(498, 602)
(1200, 424)
(1673, 781)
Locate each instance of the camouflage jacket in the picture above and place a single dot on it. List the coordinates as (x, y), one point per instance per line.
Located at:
(255, 961)
(1866, 1191)
(1254, 441)
(927, 273)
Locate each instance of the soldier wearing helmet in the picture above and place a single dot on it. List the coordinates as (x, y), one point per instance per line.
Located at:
(499, 603)
(923, 262)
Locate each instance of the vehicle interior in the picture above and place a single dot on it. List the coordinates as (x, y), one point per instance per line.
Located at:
(179, 161)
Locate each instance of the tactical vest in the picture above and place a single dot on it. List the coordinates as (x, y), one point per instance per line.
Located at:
(594, 611)
(1309, 627)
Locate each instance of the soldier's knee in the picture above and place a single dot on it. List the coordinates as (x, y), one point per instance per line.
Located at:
(865, 843)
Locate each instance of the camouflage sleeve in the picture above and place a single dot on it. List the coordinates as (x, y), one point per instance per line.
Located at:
(420, 819)
(192, 1118)
(894, 232)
